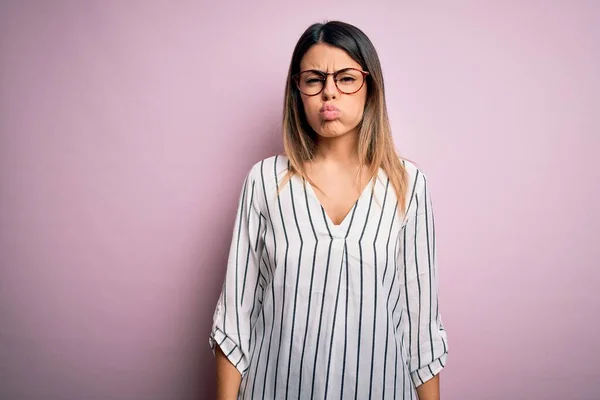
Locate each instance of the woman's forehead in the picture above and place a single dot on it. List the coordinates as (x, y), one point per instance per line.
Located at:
(327, 58)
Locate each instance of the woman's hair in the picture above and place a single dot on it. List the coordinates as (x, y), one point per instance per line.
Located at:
(375, 143)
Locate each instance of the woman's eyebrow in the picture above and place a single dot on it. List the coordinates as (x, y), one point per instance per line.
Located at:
(319, 70)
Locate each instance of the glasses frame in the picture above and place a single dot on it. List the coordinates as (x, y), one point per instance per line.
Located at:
(296, 78)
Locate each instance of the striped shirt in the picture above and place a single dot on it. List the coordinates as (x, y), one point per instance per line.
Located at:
(314, 310)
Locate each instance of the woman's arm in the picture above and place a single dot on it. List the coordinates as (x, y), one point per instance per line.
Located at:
(240, 300)
(228, 377)
(430, 390)
(423, 330)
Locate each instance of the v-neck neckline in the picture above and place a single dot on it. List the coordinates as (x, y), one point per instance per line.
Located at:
(342, 227)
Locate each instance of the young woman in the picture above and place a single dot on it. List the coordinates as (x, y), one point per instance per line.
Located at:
(331, 284)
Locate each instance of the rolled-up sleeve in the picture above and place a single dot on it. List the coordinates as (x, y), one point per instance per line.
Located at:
(424, 336)
(240, 300)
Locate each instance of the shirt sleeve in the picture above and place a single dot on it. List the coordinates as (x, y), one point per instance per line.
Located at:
(423, 330)
(240, 301)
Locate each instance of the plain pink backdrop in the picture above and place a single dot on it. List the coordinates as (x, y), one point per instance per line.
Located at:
(126, 129)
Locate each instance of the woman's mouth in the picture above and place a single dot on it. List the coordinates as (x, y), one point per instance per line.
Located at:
(330, 112)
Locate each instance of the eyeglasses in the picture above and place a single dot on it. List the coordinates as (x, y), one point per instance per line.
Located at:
(347, 80)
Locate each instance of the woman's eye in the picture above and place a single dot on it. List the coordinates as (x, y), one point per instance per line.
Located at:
(347, 79)
(313, 81)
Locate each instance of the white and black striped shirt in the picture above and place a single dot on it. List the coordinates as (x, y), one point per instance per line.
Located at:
(313, 310)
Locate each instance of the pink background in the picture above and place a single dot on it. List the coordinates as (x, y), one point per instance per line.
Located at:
(127, 129)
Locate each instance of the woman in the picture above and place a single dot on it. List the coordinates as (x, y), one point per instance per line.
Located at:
(331, 284)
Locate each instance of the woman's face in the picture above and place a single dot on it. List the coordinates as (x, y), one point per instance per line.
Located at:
(326, 58)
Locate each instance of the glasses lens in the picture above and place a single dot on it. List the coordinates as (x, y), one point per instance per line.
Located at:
(349, 81)
(310, 83)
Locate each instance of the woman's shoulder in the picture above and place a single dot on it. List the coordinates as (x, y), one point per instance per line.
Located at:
(269, 168)
(415, 173)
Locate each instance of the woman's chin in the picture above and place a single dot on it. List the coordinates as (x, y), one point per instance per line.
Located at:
(331, 133)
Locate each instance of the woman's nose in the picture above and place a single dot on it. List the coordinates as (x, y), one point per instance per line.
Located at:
(329, 88)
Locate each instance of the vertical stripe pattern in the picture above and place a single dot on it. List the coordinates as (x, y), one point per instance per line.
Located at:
(312, 310)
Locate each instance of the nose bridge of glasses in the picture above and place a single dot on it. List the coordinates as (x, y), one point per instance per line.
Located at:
(326, 82)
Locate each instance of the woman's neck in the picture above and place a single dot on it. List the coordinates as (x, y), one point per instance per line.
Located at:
(341, 150)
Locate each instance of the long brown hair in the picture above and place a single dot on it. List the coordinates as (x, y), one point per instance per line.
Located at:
(375, 143)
